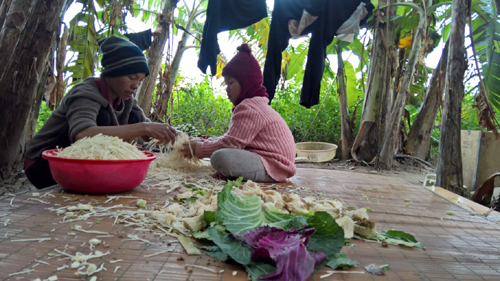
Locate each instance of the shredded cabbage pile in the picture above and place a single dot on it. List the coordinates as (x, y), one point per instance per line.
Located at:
(102, 147)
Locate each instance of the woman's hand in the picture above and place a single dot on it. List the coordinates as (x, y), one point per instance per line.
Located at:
(163, 132)
(186, 151)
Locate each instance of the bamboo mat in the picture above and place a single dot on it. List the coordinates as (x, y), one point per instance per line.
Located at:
(462, 246)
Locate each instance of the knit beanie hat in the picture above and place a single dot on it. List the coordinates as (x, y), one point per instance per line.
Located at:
(121, 57)
(246, 70)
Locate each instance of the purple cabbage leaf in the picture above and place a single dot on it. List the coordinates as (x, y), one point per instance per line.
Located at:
(286, 250)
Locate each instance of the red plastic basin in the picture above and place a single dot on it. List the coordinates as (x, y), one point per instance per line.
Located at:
(97, 176)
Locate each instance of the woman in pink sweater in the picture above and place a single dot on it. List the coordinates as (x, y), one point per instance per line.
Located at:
(259, 145)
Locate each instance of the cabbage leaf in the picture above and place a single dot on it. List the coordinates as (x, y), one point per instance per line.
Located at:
(286, 249)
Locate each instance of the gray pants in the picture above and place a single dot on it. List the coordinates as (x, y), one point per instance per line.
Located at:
(236, 163)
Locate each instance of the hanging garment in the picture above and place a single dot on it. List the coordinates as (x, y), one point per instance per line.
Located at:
(288, 15)
(351, 27)
(141, 39)
(225, 15)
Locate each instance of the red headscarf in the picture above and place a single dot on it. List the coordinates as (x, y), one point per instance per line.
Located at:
(246, 70)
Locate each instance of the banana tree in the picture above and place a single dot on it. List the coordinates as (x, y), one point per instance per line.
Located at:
(155, 54)
(482, 22)
(419, 136)
(449, 170)
(367, 143)
(82, 40)
(347, 135)
(392, 77)
(97, 20)
(397, 106)
(485, 110)
(486, 37)
(186, 21)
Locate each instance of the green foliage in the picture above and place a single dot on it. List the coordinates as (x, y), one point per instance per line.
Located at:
(82, 40)
(469, 113)
(96, 21)
(146, 10)
(295, 65)
(352, 91)
(341, 261)
(189, 200)
(43, 115)
(329, 236)
(257, 269)
(418, 89)
(188, 128)
(396, 237)
(486, 34)
(326, 126)
(230, 244)
(406, 24)
(199, 105)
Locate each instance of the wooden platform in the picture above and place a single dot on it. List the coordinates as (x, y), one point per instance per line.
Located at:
(462, 246)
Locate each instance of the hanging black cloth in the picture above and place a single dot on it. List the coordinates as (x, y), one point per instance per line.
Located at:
(225, 15)
(141, 39)
(331, 15)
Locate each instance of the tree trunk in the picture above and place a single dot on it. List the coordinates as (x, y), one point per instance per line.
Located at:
(421, 129)
(35, 107)
(20, 75)
(173, 69)
(397, 107)
(4, 9)
(155, 55)
(371, 132)
(399, 72)
(61, 58)
(347, 137)
(449, 170)
(15, 17)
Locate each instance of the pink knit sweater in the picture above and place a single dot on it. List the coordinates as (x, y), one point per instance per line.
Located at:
(258, 128)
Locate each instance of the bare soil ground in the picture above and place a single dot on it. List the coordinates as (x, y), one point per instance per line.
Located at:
(15, 184)
(407, 170)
